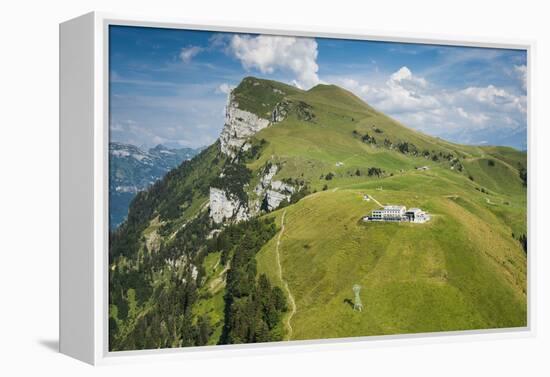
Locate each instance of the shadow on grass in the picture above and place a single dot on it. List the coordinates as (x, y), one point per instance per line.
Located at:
(349, 302)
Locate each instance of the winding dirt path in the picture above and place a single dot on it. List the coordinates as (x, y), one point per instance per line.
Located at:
(285, 283)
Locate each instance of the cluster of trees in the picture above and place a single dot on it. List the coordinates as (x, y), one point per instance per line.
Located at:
(329, 176)
(301, 109)
(297, 182)
(235, 177)
(447, 156)
(374, 171)
(152, 295)
(366, 138)
(253, 153)
(371, 172)
(304, 111)
(164, 320)
(299, 194)
(253, 307)
(406, 148)
(455, 162)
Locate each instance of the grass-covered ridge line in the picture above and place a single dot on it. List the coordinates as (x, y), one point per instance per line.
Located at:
(260, 96)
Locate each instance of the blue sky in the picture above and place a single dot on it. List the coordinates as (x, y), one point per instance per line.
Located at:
(170, 86)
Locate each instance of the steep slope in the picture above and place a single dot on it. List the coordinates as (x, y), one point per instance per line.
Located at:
(206, 235)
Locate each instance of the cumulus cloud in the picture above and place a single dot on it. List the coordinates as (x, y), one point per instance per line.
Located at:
(475, 118)
(496, 98)
(405, 77)
(403, 92)
(467, 115)
(269, 54)
(189, 52)
(353, 85)
(224, 88)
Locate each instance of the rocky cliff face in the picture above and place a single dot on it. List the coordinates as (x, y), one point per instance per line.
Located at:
(224, 207)
(302, 110)
(280, 112)
(265, 181)
(272, 192)
(239, 126)
(277, 193)
(269, 194)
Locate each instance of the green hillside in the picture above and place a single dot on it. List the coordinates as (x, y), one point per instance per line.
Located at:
(256, 281)
(462, 270)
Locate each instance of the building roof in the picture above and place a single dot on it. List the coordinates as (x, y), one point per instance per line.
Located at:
(394, 207)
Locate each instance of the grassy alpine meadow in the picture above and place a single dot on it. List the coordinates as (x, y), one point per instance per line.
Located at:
(456, 272)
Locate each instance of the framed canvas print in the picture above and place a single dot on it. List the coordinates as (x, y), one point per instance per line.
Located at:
(230, 188)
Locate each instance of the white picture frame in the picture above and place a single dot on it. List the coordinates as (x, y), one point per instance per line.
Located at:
(84, 190)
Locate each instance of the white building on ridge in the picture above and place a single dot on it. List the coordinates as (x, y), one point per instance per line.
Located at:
(395, 213)
(388, 213)
(416, 215)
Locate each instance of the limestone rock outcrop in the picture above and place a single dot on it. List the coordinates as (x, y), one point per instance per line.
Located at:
(239, 126)
(224, 207)
(277, 193)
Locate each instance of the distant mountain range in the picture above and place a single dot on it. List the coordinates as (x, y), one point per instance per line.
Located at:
(132, 169)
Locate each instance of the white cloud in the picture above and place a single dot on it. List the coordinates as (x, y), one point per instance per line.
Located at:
(468, 115)
(475, 118)
(224, 88)
(353, 85)
(189, 52)
(403, 92)
(489, 98)
(404, 76)
(521, 71)
(268, 54)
